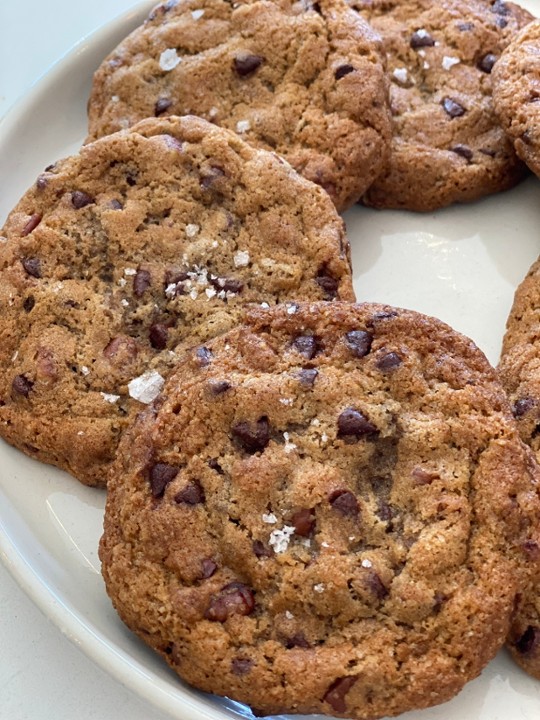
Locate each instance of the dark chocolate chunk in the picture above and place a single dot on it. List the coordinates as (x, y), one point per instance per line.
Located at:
(375, 584)
(522, 406)
(421, 39)
(158, 335)
(204, 356)
(328, 284)
(162, 9)
(218, 387)
(208, 568)
(80, 199)
(307, 376)
(358, 342)
(500, 7)
(306, 345)
(421, 476)
(529, 641)
(29, 303)
(32, 266)
(465, 26)
(160, 475)
(161, 106)
(352, 422)
(246, 63)
(141, 282)
(213, 464)
(297, 640)
(343, 70)
(211, 176)
(487, 62)
(42, 182)
(303, 522)
(233, 599)
(463, 150)
(115, 204)
(252, 436)
(335, 695)
(345, 502)
(241, 666)
(191, 494)
(22, 385)
(452, 107)
(227, 284)
(261, 550)
(32, 224)
(390, 361)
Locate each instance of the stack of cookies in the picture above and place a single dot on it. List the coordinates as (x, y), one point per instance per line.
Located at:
(314, 506)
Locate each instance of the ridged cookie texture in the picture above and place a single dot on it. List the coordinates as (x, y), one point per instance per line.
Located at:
(519, 370)
(331, 514)
(448, 145)
(304, 79)
(516, 92)
(147, 239)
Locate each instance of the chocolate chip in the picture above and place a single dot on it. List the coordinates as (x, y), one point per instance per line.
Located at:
(211, 176)
(162, 9)
(172, 143)
(261, 550)
(80, 199)
(384, 511)
(306, 345)
(122, 346)
(22, 385)
(160, 475)
(246, 64)
(204, 356)
(227, 284)
(487, 62)
(452, 107)
(422, 476)
(501, 22)
(241, 666)
(522, 406)
(488, 152)
(32, 224)
(390, 361)
(335, 695)
(42, 182)
(115, 204)
(303, 522)
(465, 26)
(500, 7)
(214, 465)
(191, 494)
(208, 568)
(29, 303)
(297, 640)
(307, 376)
(352, 422)
(358, 342)
(131, 179)
(345, 502)
(32, 266)
(252, 436)
(233, 599)
(141, 282)
(158, 335)
(327, 283)
(375, 584)
(463, 150)
(218, 387)
(343, 70)
(529, 641)
(161, 106)
(421, 39)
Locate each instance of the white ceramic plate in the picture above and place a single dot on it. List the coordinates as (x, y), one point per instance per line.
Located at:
(460, 264)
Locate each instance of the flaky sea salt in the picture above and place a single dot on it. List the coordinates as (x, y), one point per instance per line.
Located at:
(265, 305)
(85, 371)
(241, 259)
(170, 290)
(146, 387)
(289, 615)
(279, 539)
(242, 126)
(124, 303)
(130, 271)
(122, 282)
(319, 588)
(269, 518)
(210, 293)
(289, 446)
(192, 230)
(197, 14)
(169, 59)
(367, 563)
(292, 309)
(194, 294)
(448, 62)
(401, 74)
(109, 397)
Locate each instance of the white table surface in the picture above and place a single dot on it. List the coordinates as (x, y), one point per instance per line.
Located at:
(42, 675)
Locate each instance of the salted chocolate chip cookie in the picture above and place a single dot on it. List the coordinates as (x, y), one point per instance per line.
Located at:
(519, 370)
(304, 79)
(331, 515)
(448, 146)
(145, 240)
(516, 93)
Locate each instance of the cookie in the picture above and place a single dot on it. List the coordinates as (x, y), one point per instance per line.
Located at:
(147, 240)
(516, 91)
(303, 79)
(519, 370)
(448, 146)
(332, 515)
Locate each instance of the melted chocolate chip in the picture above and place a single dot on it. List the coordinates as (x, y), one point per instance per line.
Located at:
(80, 199)
(160, 475)
(529, 641)
(32, 266)
(306, 345)
(158, 335)
(522, 406)
(252, 436)
(452, 107)
(343, 70)
(161, 106)
(390, 361)
(335, 695)
(261, 550)
(208, 568)
(421, 39)
(328, 284)
(141, 282)
(354, 423)
(218, 387)
(463, 150)
(297, 640)
(32, 224)
(345, 502)
(307, 376)
(303, 522)
(29, 303)
(241, 666)
(358, 342)
(233, 599)
(191, 494)
(22, 385)
(204, 356)
(246, 64)
(487, 62)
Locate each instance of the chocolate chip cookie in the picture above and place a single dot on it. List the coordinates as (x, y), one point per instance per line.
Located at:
(146, 240)
(303, 79)
(332, 514)
(519, 370)
(516, 92)
(448, 146)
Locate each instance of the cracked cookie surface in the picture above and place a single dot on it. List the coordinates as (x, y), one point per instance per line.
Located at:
(303, 79)
(332, 515)
(146, 240)
(448, 145)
